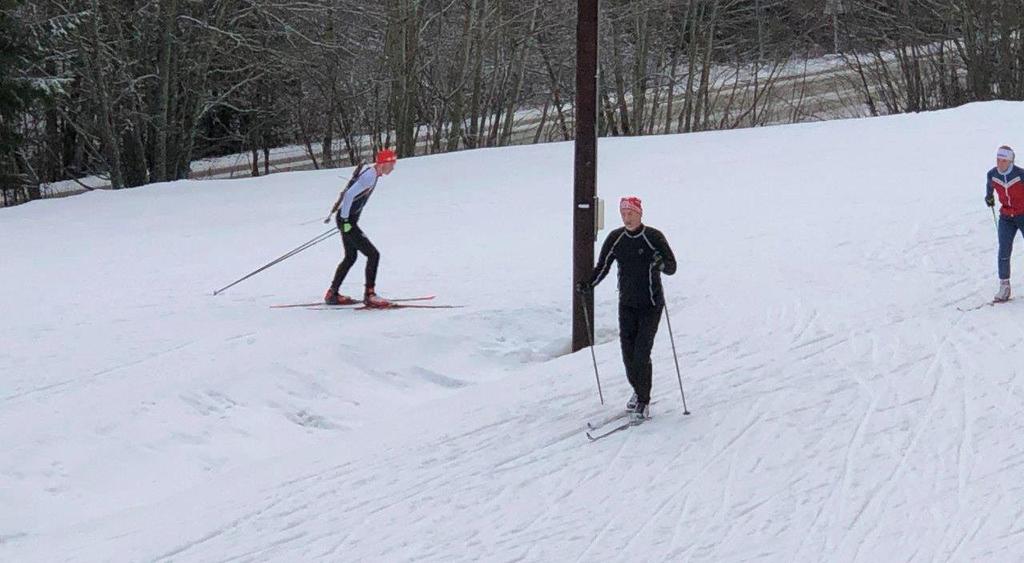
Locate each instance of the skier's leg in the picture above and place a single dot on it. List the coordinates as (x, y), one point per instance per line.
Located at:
(628, 325)
(350, 258)
(372, 260)
(1007, 230)
(647, 329)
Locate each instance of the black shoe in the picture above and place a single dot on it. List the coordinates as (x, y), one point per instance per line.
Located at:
(631, 403)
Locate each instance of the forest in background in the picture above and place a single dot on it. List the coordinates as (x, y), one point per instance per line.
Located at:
(134, 91)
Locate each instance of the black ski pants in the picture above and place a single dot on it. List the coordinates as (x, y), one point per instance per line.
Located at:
(355, 241)
(637, 328)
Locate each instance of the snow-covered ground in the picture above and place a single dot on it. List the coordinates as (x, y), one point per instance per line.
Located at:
(844, 409)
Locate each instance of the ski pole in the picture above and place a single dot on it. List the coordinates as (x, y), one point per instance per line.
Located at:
(590, 337)
(994, 220)
(676, 358)
(314, 241)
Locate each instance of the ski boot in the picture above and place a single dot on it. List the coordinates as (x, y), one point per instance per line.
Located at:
(371, 300)
(1004, 292)
(631, 403)
(639, 414)
(332, 297)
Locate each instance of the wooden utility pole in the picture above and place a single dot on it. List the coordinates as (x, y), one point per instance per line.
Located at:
(585, 179)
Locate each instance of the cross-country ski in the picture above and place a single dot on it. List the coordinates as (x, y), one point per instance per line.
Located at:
(348, 303)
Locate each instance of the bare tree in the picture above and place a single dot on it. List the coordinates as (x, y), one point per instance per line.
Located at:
(144, 88)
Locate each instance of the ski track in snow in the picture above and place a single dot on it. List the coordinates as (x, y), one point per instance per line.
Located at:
(843, 408)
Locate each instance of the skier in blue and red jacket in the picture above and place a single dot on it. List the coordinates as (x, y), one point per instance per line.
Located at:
(1007, 181)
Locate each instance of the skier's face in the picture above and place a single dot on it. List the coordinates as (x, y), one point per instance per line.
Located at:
(630, 218)
(386, 168)
(1002, 163)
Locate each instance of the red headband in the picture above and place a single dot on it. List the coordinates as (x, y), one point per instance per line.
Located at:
(633, 203)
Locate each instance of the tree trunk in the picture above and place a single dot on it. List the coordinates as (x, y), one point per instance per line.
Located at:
(168, 15)
(457, 77)
(639, 85)
(401, 46)
(107, 119)
(543, 121)
(620, 81)
(556, 97)
(255, 160)
(686, 115)
(517, 87)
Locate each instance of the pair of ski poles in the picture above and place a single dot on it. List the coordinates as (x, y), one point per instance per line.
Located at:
(593, 356)
(308, 244)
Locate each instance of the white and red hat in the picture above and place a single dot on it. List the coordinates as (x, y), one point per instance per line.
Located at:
(631, 203)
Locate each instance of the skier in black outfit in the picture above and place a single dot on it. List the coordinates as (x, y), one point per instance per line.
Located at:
(643, 254)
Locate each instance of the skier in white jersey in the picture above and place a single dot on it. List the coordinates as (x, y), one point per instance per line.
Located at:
(346, 212)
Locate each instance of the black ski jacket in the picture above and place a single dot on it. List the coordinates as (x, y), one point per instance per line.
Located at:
(639, 279)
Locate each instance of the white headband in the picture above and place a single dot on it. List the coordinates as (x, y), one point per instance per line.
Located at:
(1005, 154)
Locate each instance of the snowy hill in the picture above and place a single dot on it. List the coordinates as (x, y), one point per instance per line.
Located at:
(844, 409)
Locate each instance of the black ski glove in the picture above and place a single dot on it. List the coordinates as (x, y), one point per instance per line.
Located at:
(990, 201)
(659, 262)
(583, 287)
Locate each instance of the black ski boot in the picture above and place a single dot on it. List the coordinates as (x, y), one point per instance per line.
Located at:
(640, 413)
(631, 403)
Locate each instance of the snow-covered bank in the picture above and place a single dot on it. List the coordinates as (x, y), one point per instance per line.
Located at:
(844, 409)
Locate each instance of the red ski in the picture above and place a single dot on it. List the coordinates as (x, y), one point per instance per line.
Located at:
(394, 305)
(322, 305)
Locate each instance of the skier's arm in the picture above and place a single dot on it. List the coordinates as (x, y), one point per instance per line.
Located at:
(604, 261)
(668, 259)
(334, 209)
(347, 198)
(989, 200)
(355, 176)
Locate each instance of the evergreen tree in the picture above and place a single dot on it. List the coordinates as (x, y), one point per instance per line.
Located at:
(17, 94)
